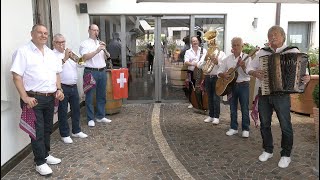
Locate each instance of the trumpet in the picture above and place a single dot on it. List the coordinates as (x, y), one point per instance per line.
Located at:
(76, 58)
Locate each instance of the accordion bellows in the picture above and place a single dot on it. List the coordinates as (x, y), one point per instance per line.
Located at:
(284, 73)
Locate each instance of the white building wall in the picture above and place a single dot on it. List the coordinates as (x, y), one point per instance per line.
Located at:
(15, 31)
(16, 26)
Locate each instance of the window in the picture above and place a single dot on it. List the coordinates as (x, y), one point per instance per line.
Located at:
(42, 15)
(299, 35)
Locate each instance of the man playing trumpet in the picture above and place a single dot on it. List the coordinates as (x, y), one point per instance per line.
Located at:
(69, 78)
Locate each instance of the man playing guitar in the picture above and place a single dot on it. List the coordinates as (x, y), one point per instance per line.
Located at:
(240, 90)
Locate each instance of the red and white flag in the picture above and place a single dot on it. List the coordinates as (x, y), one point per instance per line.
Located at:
(120, 83)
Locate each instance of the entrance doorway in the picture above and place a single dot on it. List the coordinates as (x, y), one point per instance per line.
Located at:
(161, 39)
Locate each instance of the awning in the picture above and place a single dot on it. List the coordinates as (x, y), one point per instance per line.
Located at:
(232, 1)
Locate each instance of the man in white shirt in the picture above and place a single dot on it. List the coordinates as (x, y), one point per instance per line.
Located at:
(69, 77)
(35, 71)
(210, 82)
(240, 90)
(94, 54)
(191, 58)
(278, 102)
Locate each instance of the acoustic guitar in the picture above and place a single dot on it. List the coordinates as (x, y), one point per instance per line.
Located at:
(224, 85)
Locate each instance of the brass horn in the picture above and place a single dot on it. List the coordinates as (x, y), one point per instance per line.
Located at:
(210, 37)
(76, 58)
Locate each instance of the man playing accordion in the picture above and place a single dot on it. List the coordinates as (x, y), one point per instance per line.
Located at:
(280, 102)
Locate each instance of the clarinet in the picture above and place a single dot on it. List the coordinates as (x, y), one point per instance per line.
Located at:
(107, 59)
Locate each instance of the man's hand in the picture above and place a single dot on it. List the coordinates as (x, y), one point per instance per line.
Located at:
(59, 95)
(306, 79)
(258, 74)
(30, 101)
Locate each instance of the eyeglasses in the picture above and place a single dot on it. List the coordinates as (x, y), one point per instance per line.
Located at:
(60, 42)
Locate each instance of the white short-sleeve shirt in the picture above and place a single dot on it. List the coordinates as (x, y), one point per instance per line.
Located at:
(37, 70)
(89, 45)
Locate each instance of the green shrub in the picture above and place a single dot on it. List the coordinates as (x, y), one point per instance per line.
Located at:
(315, 95)
(313, 54)
(247, 48)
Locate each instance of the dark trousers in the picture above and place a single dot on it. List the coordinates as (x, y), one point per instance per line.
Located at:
(281, 104)
(190, 85)
(71, 96)
(100, 90)
(44, 115)
(150, 65)
(240, 92)
(213, 98)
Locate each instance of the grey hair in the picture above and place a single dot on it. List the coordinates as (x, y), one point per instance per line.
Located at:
(236, 39)
(279, 29)
(34, 27)
(58, 35)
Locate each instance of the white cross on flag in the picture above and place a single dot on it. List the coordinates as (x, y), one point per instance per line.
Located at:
(120, 83)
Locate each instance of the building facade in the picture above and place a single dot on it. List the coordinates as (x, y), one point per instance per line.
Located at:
(155, 23)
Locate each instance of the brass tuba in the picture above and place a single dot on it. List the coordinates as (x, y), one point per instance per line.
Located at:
(210, 37)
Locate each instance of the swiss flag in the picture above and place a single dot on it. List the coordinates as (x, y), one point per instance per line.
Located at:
(120, 83)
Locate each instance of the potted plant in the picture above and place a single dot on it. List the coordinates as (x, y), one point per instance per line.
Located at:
(315, 96)
(303, 103)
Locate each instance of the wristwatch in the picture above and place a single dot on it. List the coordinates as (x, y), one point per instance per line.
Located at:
(60, 89)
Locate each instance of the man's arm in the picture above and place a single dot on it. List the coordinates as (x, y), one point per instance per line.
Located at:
(18, 82)
(59, 93)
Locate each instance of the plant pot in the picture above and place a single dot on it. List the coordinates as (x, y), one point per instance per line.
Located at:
(303, 103)
(316, 121)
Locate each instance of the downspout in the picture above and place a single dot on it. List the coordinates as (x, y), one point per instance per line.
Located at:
(278, 12)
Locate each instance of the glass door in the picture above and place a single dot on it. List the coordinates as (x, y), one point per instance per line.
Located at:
(174, 35)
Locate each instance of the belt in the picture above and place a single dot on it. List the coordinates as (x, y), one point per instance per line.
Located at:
(212, 76)
(95, 69)
(40, 94)
(243, 82)
(69, 85)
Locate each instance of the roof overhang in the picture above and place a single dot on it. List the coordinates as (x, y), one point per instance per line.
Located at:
(232, 1)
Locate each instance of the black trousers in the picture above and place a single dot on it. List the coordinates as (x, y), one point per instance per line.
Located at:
(44, 114)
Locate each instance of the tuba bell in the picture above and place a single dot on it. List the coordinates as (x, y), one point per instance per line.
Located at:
(210, 37)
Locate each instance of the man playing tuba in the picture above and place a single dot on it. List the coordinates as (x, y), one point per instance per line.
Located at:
(209, 63)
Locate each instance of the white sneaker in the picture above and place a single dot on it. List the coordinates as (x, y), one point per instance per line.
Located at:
(148, 72)
(190, 106)
(91, 123)
(44, 169)
(265, 156)
(80, 135)
(231, 132)
(245, 134)
(209, 119)
(52, 160)
(67, 140)
(284, 162)
(104, 120)
(215, 121)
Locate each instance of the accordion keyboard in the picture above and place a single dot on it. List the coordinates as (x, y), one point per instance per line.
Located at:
(265, 90)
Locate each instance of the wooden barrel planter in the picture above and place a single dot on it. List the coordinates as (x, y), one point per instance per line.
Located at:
(113, 106)
(303, 103)
(177, 75)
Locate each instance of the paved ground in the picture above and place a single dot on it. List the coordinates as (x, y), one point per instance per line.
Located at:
(170, 141)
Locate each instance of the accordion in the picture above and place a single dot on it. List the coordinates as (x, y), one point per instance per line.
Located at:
(283, 73)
